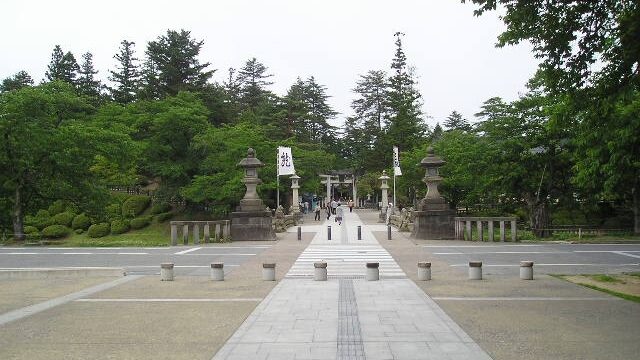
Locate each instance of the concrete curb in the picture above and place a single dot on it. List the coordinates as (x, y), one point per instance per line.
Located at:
(57, 273)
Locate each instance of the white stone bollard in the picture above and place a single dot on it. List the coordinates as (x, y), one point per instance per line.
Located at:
(269, 271)
(320, 271)
(217, 271)
(526, 270)
(373, 272)
(424, 271)
(166, 271)
(475, 270)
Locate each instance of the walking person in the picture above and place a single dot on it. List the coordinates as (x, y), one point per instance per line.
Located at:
(339, 214)
(316, 210)
(350, 205)
(334, 205)
(328, 209)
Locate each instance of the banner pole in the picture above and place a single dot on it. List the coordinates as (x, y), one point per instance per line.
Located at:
(277, 181)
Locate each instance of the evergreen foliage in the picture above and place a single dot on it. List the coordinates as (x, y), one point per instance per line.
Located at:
(63, 67)
(99, 230)
(126, 76)
(81, 221)
(17, 81)
(135, 205)
(55, 231)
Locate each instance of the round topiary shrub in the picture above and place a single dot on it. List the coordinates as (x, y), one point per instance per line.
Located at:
(140, 222)
(79, 231)
(55, 231)
(30, 229)
(64, 218)
(159, 208)
(81, 221)
(113, 212)
(99, 230)
(135, 205)
(57, 207)
(119, 226)
(164, 217)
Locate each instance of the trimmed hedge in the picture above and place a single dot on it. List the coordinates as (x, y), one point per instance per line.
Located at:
(99, 230)
(160, 208)
(114, 212)
(55, 231)
(79, 231)
(64, 218)
(140, 222)
(41, 220)
(164, 217)
(135, 205)
(119, 227)
(81, 221)
(30, 230)
(57, 207)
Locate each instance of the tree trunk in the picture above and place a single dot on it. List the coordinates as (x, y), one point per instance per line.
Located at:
(18, 216)
(539, 218)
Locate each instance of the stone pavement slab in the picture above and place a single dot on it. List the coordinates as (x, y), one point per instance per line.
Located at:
(348, 317)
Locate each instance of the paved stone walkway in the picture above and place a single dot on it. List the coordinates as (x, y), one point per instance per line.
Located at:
(348, 317)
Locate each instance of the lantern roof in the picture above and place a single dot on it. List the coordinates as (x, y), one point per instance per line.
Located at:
(250, 161)
(432, 160)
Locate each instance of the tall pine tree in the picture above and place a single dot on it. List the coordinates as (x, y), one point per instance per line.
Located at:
(175, 56)
(253, 81)
(87, 83)
(17, 81)
(405, 127)
(63, 67)
(127, 75)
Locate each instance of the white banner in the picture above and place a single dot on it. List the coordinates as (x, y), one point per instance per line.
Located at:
(396, 162)
(285, 161)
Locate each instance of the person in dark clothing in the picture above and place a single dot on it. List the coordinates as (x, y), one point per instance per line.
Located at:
(328, 208)
(317, 212)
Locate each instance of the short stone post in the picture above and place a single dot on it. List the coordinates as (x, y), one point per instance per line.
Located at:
(359, 232)
(514, 231)
(475, 270)
(480, 230)
(299, 233)
(468, 226)
(329, 232)
(526, 270)
(174, 235)
(388, 232)
(424, 271)
(218, 231)
(269, 271)
(490, 229)
(166, 271)
(373, 272)
(502, 236)
(320, 271)
(207, 235)
(196, 234)
(185, 234)
(217, 271)
(226, 229)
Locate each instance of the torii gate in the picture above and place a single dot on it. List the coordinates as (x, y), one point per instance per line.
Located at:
(330, 180)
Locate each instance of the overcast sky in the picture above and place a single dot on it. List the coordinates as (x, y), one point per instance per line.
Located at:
(452, 51)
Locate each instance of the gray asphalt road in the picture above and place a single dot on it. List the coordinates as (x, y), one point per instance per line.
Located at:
(188, 260)
(547, 258)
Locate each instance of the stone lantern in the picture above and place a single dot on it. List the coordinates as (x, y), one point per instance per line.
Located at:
(294, 188)
(251, 221)
(433, 219)
(432, 200)
(385, 199)
(250, 164)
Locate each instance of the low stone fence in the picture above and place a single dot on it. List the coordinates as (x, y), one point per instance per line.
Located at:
(212, 230)
(463, 226)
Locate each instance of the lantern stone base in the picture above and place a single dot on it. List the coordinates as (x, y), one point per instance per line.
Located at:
(252, 225)
(434, 225)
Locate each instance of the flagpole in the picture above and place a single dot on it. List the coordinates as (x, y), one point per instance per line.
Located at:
(277, 180)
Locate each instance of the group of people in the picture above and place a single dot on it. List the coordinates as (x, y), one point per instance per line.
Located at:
(333, 208)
